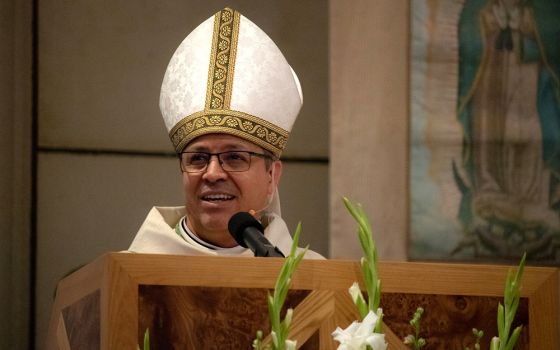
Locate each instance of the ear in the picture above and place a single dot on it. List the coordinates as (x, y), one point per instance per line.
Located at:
(275, 172)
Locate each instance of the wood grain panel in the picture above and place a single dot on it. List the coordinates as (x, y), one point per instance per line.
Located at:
(205, 317)
(82, 322)
(448, 320)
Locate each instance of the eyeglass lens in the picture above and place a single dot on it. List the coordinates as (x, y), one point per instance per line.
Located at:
(230, 161)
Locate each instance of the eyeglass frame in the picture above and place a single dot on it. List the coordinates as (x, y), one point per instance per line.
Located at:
(218, 154)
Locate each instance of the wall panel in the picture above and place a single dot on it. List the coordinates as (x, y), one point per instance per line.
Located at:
(369, 123)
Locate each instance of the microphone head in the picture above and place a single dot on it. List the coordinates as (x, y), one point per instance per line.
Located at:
(239, 222)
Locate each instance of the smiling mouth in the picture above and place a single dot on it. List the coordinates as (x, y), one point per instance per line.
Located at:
(217, 198)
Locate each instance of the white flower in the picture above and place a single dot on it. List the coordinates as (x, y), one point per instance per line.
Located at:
(360, 334)
(355, 292)
(291, 344)
(274, 338)
(409, 339)
(289, 315)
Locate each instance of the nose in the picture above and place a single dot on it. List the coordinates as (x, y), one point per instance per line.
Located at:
(214, 171)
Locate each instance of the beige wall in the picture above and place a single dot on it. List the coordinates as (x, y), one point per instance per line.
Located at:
(100, 69)
(15, 177)
(369, 123)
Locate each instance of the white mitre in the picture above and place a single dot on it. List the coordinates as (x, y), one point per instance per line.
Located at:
(228, 76)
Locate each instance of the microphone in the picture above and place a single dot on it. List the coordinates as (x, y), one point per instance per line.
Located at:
(248, 233)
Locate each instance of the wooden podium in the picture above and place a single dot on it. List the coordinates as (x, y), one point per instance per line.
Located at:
(220, 302)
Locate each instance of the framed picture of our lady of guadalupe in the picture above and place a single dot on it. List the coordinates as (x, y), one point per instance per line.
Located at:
(485, 130)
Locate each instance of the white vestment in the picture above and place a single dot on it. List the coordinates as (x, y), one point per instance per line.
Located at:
(158, 235)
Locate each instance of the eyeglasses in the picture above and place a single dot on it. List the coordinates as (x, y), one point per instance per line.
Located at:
(231, 161)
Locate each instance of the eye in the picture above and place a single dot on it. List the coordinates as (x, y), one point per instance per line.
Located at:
(236, 156)
(196, 158)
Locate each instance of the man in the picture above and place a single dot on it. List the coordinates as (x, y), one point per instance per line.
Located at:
(229, 99)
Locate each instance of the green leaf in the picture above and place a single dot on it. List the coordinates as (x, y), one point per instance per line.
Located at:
(506, 313)
(495, 343)
(147, 339)
(379, 325)
(280, 328)
(368, 263)
(295, 240)
(274, 320)
(363, 309)
(274, 339)
(500, 319)
(377, 295)
(513, 339)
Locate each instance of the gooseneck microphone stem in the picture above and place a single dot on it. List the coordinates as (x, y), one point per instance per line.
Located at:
(255, 240)
(248, 233)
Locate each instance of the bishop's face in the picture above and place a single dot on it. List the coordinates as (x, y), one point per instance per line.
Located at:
(214, 195)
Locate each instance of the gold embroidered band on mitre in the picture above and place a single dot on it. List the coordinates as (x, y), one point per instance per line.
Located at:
(246, 126)
(222, 59)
